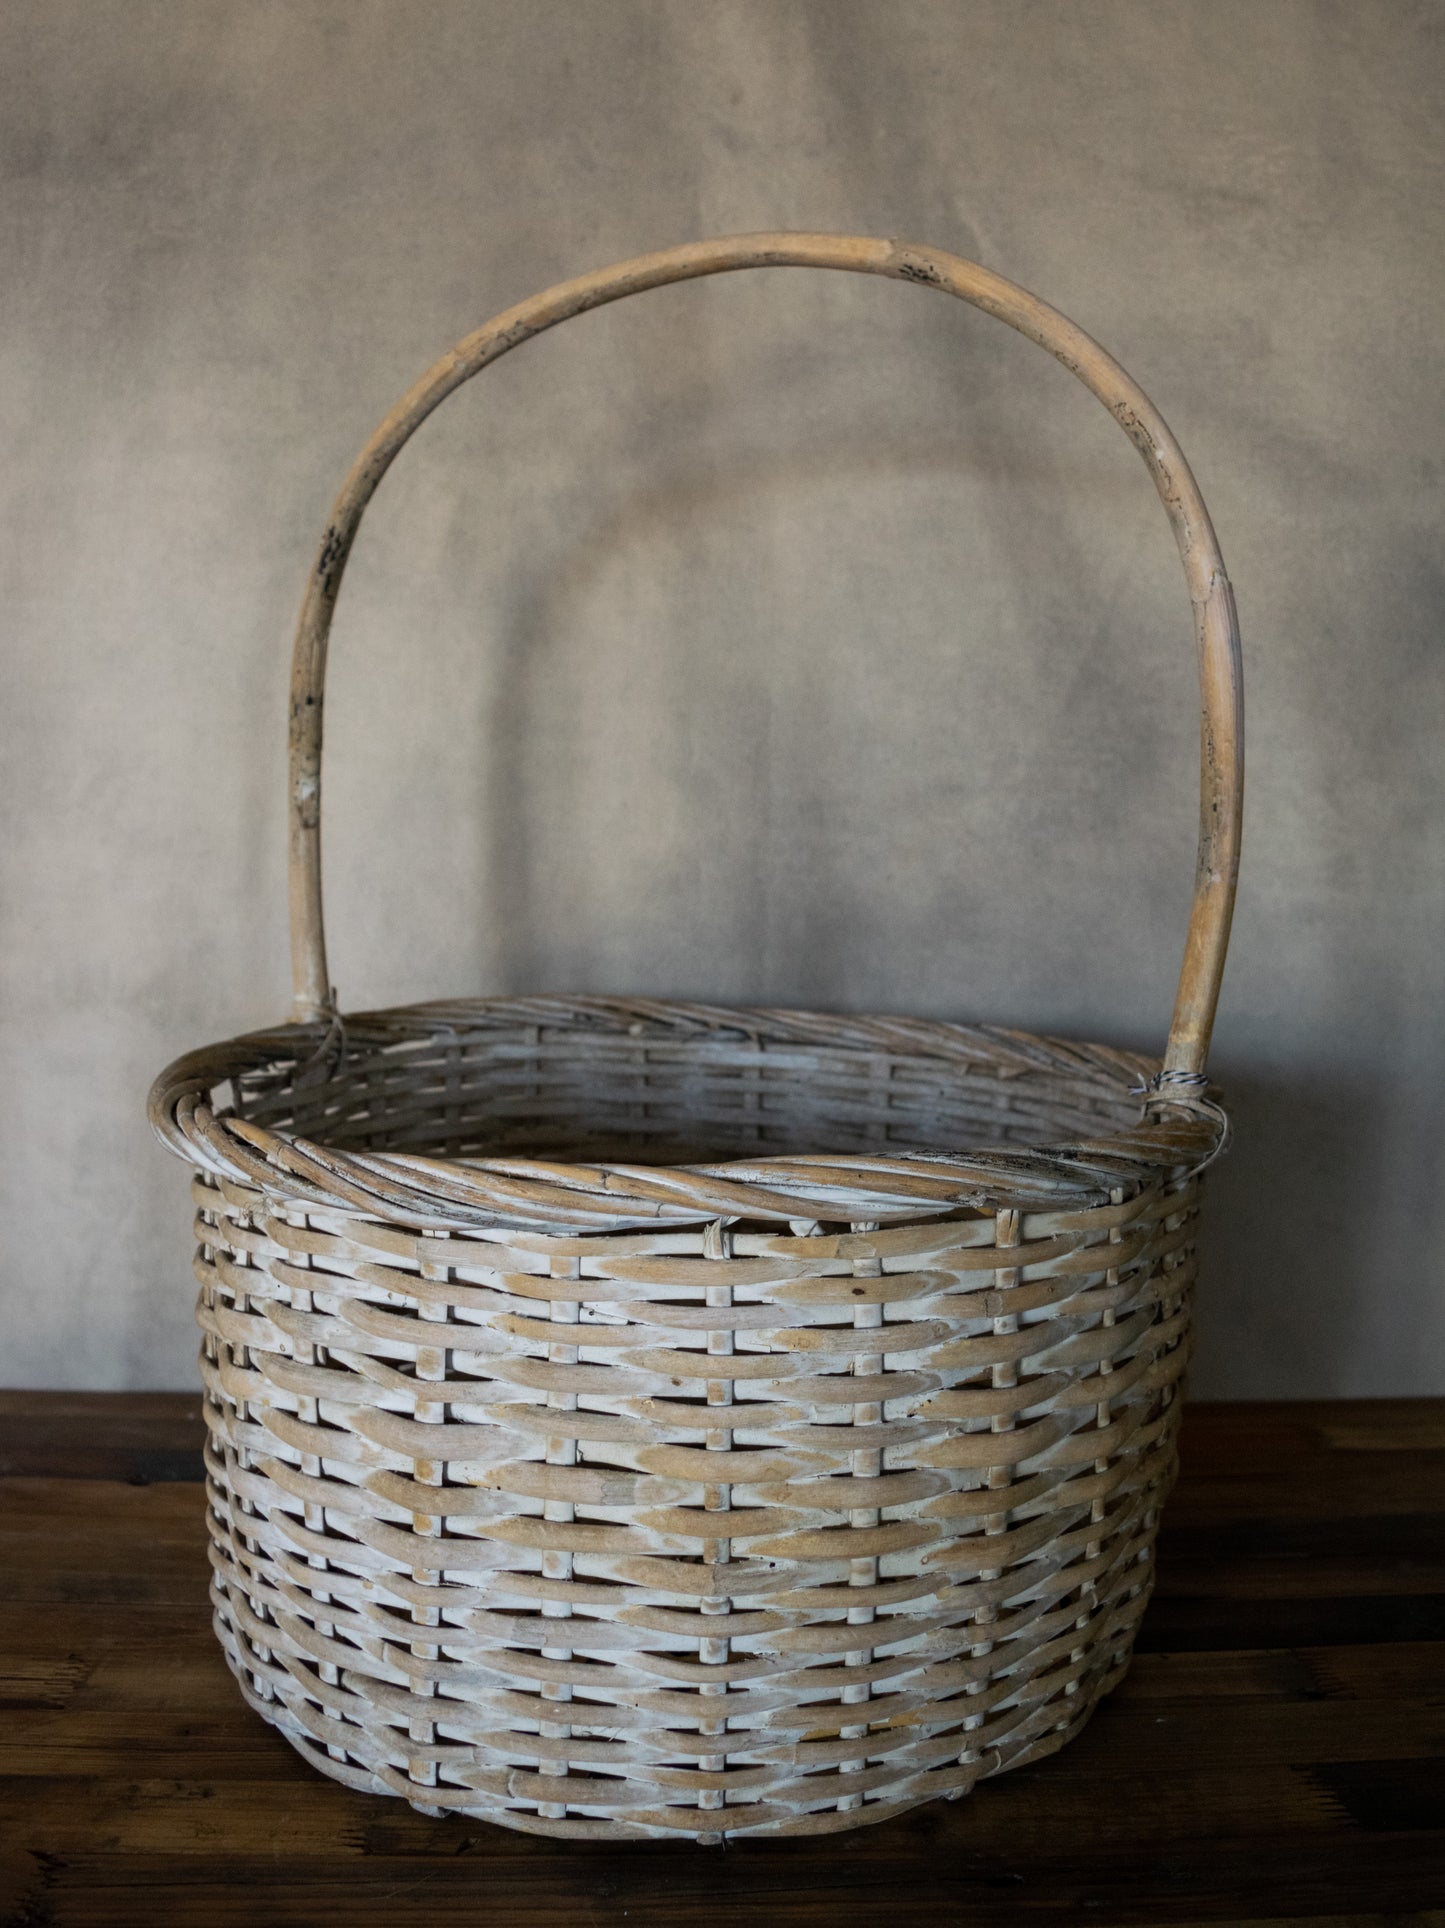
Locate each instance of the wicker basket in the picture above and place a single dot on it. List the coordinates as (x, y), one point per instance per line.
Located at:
(648, 1418)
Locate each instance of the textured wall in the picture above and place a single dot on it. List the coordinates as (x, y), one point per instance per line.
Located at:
(792, 637)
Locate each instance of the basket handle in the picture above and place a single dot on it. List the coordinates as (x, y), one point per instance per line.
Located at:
(1216, 625)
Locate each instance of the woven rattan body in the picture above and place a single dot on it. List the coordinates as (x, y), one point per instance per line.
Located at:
(705, 1523)
(642, 1416)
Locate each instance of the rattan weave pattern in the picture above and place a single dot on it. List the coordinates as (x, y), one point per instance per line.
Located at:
(718, 1526)
(641, 1416)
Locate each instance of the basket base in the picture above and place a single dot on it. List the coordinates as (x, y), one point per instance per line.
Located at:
(1034, 1740)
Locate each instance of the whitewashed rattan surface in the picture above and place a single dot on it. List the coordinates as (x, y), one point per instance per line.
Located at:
(640, 1416)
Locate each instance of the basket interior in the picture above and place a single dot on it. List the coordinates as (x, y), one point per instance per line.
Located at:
(658, 1094)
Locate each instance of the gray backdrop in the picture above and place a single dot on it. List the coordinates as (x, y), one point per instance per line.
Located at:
(791, 637)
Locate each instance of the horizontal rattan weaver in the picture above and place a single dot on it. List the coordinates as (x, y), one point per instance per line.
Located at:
(641, 1416)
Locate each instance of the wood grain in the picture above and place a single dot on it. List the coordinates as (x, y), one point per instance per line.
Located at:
(1246, 1772)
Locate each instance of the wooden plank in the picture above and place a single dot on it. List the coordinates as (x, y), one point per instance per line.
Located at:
(75, 1739)
(1349, 1485)
(202, 1815)
(136, 1436)
(913, 1879)
(1205, 1623)
(1276, 1754)
(107, 1541)
(1403, 1670)
(1243, 1433)
(1281, 1559)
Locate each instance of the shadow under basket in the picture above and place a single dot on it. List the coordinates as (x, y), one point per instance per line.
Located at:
(592, 1453)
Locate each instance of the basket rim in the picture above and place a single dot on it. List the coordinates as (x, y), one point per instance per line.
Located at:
(1173, 1137)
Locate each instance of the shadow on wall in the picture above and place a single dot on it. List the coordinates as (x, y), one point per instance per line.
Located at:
(784, 833)
(1286, 1253)
(547, 612)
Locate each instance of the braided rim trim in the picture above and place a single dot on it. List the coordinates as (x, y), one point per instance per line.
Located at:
(1177, 1133)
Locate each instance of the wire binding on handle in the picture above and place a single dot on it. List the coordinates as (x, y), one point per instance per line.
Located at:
(330, 1054)
(1184, 1091)
(1215, 622)
(1173, 1081)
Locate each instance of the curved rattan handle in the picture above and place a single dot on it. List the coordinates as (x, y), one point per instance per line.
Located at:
(1216, 626)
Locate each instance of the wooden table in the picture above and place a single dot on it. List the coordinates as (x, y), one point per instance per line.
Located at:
(1277, 1753)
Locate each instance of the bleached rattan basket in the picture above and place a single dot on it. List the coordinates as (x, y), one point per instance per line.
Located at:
(644, 1417)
